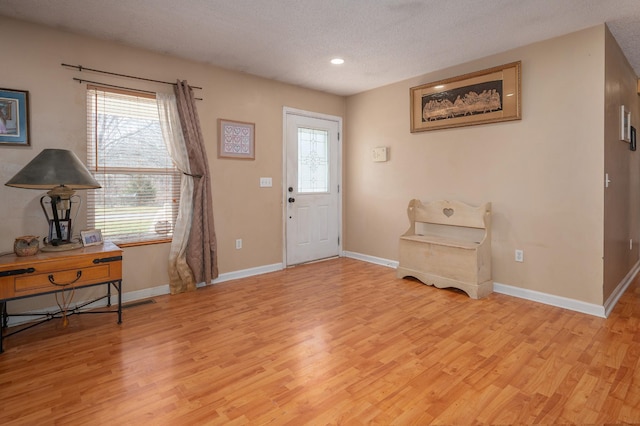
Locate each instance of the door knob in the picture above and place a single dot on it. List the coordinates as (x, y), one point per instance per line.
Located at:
(292, 200)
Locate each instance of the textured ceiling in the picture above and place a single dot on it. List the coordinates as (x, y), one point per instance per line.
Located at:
(382, 41)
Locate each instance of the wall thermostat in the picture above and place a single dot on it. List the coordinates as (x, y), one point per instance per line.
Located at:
(379, 154)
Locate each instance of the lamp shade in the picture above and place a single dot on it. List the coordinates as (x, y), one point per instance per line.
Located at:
(52, 168)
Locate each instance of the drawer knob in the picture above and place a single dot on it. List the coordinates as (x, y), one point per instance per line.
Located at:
(52, 280)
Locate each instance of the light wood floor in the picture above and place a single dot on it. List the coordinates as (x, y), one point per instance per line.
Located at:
(337, 342)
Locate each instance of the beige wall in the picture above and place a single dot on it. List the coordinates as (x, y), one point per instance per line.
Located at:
(242, 209)
(543, 174)
(622, 198)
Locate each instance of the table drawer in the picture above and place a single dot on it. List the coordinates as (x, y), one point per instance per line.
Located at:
(36, 283)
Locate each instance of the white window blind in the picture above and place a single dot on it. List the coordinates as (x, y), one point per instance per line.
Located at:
(138, 201)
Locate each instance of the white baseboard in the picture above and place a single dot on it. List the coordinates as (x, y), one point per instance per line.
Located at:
(550, 299)
(244, 273)
(620, 289)
(145, 293)
(371, 259)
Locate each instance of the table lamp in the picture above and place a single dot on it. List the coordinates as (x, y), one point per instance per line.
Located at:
(61, 172)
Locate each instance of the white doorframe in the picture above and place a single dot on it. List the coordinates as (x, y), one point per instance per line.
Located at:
(294, 111)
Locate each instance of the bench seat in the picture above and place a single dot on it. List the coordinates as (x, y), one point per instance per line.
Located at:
(448, 244)
(443, 241)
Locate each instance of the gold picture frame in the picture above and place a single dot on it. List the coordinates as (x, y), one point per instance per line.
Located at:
(488, 96)
(236, 139)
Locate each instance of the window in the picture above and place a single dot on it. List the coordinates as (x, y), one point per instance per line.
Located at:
(313, 160)
(138, 201)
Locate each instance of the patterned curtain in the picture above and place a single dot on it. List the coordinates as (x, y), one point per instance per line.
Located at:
(181, 277)
(201, 250)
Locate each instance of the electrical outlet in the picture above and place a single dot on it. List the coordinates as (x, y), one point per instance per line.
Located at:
(519, 256)
(238, 243)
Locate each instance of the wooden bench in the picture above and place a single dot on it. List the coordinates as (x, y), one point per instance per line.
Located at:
(448, 244)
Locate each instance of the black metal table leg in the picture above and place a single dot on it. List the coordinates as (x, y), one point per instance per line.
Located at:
(120, 302)
(3, 314)
(3, 321)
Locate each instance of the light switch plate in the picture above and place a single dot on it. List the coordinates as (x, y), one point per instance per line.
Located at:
(266, 182)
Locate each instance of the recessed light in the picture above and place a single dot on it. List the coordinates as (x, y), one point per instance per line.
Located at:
(439, 86)
(337, 61)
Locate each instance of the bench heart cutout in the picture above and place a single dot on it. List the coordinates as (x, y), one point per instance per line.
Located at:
(447, 212)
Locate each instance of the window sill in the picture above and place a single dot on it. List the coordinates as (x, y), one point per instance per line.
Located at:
(141, 243)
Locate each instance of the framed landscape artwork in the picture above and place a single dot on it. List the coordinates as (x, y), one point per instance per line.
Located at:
(487, 96)
(14, 117)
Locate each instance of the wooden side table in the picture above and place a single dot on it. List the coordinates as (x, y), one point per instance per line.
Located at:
(59, 272)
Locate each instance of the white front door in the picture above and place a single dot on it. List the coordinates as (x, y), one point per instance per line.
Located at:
(311, 188)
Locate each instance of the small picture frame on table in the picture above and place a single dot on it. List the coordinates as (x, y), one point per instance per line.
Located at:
(91, 237)
(65, 226)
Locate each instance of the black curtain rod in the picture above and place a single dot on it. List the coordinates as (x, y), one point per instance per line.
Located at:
(81, 68)
(80, 80)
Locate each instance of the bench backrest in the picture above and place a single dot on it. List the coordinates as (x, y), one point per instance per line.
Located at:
(452, 213)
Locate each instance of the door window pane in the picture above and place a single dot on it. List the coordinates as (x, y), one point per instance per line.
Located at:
(313, 160)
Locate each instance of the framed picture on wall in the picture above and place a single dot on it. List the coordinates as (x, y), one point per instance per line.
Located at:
(625, 124)
(14, 117)
(487, 96)
(632, 145)
(236, 139)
